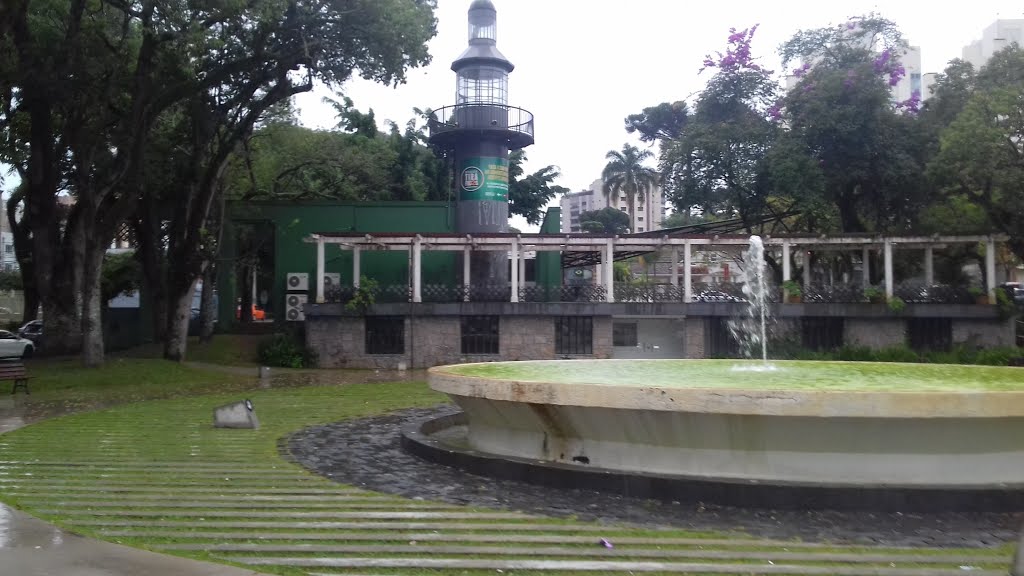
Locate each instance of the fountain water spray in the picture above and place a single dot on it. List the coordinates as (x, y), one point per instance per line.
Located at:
(752, 331)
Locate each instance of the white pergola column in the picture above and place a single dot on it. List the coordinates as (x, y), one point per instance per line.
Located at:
(675, 266)
(357, 252)
(467, 254)
(417, 269)
(320, 270)
(888, 269)
(865, 269)
(807, 270)
(990, 269)
(929, 266)
(522, 266)
(514, 265)
(687, 272)
(609, 270)
(787, 273)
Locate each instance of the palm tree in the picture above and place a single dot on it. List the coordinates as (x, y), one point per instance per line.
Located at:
(626, 174)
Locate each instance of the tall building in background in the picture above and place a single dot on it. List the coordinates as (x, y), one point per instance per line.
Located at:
(997, 36)
(915, 78)
(647, 216)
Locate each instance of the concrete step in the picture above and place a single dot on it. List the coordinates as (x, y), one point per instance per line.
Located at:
(600, 566)
(452, 536)
(247, 504)
(149, 498)
(193, 488)
(243, 525)
(369, 515)
(764, 556)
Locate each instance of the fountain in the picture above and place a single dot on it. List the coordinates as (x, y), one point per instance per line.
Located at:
(798, 434)
(751, 331)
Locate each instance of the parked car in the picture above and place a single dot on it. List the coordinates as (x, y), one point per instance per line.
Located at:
(1015, 290)
(13, 346)
(32, 331)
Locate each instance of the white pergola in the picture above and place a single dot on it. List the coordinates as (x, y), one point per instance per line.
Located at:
(517, 244)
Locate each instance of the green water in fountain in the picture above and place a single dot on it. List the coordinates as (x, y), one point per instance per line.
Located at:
(738, 374)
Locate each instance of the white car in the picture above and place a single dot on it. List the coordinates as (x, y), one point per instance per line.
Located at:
(12, 346)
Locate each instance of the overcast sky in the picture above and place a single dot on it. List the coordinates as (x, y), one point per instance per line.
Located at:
(582, 66)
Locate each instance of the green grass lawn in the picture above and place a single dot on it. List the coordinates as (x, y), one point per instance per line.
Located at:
(223, 349)
(787, 375)
(62, 386)
(155, 474)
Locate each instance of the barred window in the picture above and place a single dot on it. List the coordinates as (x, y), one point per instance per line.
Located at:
(930, 334)
(624, 334)
(821, 333)
(574, 335)
(385, 334)
(480, 334)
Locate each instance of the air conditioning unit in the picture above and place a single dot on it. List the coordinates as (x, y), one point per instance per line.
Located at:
(293, 307)
(331, 279)
(298, 282)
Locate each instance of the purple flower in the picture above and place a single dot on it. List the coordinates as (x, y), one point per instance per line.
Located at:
(882, 61)
(851, 25)
(775, 111)
(911, 105)
(799, 72)
(895, 74)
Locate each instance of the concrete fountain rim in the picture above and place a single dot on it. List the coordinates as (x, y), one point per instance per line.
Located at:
(794, 402)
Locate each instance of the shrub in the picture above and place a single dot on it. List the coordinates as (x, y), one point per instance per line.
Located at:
(896, 304)
(897, 354)
(793, 288)
(285, 351)
(996, 356)
(856, 354)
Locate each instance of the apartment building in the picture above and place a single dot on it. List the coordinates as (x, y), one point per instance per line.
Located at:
(647, 215)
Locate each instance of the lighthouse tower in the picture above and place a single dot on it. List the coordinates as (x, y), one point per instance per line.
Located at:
(478, 132)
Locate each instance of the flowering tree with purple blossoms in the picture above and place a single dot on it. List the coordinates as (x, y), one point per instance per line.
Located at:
(864, 152)
(717, 161)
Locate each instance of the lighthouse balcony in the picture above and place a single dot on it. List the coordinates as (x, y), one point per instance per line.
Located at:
(452, 124)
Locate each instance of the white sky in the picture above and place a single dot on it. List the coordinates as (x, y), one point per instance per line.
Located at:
(582, 66)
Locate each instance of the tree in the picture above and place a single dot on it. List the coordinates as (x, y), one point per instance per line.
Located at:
(868, 152)
(605, 221)
(659, 123)
(626, 174)
(216, 71)
(717, 161)
(529, 195)
(981, 156)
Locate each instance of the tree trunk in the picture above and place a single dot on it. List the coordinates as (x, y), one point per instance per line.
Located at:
(150, 257)
(92, 307)
(179, 309)
(246, 295)
(23, 254)
(207, 311)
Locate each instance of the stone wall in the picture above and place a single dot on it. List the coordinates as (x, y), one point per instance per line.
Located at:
(340, 341)
(874, 333)
(694, 337)
(984, 333)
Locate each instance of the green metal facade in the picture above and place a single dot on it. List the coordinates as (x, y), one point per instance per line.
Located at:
(292, 223)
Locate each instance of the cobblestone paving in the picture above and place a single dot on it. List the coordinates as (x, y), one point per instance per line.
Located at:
(366, 453)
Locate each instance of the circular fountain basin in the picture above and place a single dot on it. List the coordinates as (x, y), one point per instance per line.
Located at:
(841, 425)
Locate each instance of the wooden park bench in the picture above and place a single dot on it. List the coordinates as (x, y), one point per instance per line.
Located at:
(15, 372)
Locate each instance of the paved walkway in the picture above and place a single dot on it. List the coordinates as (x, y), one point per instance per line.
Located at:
(31, 547)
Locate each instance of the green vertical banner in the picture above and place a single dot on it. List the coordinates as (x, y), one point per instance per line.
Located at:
(483, 178)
